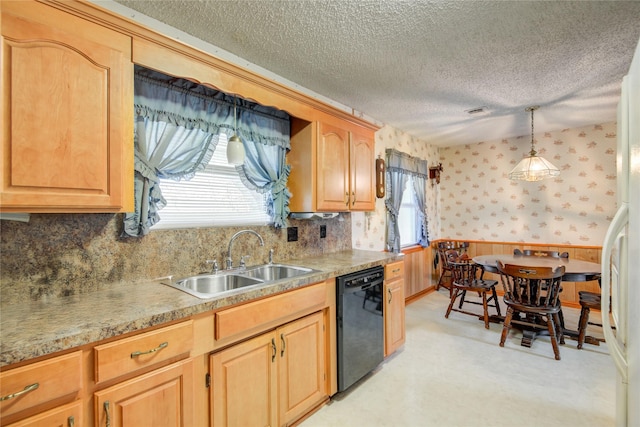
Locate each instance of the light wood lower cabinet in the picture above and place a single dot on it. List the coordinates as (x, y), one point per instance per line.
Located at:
(28, 391)
(272, 379)
(64, 416)
(394, 310)
(161, 398)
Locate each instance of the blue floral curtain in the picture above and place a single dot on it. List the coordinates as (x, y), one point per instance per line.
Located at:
(173, 138)
(265, 134)
(399, 167)
(176, 127)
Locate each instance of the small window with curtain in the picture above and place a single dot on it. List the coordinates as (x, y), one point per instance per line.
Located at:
(408, 218)
(213, 197)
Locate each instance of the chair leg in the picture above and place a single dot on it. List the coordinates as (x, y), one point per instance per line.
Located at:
(552, 334)
(560, 328)
(440, 280)
(506, 326)
(582, 325)
(453, 300)
(495, 300)
(486, 310)
(462, 297)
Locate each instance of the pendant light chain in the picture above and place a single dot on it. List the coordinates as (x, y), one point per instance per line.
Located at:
(532, 109)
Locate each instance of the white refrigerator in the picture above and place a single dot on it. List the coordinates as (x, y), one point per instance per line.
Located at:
(621, 256)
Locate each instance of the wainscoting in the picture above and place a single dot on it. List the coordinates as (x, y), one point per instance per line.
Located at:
(419, 273)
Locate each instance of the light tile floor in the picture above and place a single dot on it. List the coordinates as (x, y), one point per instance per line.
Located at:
(452, 372)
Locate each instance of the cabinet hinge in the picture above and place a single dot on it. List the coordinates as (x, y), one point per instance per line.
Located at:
(207, 380)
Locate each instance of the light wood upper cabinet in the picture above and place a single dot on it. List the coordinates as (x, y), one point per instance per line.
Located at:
(362, 168)
(67, 94)
(332, 169)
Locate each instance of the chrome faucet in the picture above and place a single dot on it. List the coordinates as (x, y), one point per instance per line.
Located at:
(229, 261)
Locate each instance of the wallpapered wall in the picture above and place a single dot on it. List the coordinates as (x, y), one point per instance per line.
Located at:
(369, 229)
(479, 202)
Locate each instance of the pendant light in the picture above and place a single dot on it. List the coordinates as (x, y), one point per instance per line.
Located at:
(533, 168)
(235, 149)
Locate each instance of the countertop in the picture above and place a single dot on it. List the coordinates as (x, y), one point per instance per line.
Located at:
(44, 327)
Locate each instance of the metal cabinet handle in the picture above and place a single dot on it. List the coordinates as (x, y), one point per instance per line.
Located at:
(390, 294)
(353, 193)
(106, 410)
(283, 345)
(26, 390)
(153, 350)
(396, 270)
(346, 198)
(273, 349)
(71, 422)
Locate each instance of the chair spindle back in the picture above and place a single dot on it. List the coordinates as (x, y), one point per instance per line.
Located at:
(531, 286)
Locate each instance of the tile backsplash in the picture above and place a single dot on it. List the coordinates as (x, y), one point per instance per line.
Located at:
(69, 254)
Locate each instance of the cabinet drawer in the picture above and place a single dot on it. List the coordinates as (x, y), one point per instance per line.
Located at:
(69, 415)
(140, 351)
(394, 270)
(55, 381)
(268, 312)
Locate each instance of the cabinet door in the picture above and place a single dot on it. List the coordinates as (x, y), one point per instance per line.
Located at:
(333, 169)
(394, 328)
(301, 368)
(244, 384)
(64, 416)
(67, 92)
(161, 398)
(362, 173)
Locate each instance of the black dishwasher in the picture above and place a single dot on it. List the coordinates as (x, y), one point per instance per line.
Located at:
(360, 324)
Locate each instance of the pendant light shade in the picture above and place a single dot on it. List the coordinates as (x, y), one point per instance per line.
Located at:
(235, 148)
(533, 168)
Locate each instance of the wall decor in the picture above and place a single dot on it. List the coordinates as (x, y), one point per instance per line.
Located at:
(380, 173)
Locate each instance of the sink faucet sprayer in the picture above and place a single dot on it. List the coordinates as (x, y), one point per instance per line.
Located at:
(229, 261)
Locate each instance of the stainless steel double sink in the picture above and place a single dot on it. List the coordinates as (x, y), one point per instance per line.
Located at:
(210, 285)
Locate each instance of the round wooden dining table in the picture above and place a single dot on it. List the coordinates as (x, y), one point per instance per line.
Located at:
(575, 270)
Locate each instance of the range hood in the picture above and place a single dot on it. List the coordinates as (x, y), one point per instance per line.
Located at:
(313, 215)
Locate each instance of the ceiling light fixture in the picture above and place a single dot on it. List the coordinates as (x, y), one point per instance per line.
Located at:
(533, 168)
(235, 149)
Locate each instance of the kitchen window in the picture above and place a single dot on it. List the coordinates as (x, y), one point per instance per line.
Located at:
(408, 218)
(213, 197)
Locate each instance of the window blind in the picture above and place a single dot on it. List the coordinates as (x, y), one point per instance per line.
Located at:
(213, 197)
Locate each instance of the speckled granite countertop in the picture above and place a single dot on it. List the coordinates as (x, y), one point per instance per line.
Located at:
(39, 328)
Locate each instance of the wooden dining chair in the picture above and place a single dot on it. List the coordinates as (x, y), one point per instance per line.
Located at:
(466, 284)
(532, 298)
(532, 252)
(445, 273)
(588, 301)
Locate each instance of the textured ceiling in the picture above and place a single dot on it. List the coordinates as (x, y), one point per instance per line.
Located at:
(418, 65)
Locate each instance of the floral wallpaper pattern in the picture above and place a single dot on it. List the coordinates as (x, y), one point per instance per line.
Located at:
(368, 229)
(475, 200)
(479, 202)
